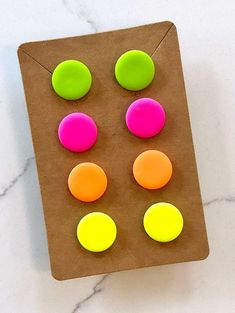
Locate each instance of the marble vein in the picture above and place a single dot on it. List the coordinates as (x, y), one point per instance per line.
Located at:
(97, 287)
(228, 199)
(95, 290)
(12, 183)
(80, 14)
(89, 21)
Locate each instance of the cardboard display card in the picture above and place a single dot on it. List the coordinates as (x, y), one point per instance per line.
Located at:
(116, 149)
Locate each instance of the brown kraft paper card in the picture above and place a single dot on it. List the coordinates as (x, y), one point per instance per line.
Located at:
(115, 151)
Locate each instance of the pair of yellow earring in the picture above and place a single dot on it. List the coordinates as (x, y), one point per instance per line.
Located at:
(97, 231)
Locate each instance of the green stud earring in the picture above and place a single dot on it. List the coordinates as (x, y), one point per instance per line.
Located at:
(71, 79)
(134, 70)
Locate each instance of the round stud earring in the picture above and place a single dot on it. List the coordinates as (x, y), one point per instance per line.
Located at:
(96, 232)
(87, 182)
(145, 117)
(71, 79)
(163, 222)
(77, 132)
(152, 169)
(134, 70)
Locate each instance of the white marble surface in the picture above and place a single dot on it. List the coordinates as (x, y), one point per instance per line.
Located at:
(207, 37)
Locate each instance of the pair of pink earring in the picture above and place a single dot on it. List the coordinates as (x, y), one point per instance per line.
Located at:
(145, 118)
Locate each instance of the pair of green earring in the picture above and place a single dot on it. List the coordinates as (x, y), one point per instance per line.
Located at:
(72, 79)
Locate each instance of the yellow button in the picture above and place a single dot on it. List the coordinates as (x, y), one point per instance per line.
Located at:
(163, 222)
(96, 232)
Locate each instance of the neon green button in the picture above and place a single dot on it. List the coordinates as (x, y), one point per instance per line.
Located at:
(134, 70)
(96, 232)
(71, 80)
(163, 222)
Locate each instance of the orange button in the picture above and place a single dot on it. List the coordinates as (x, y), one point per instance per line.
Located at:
(152, 169)
(87, 182)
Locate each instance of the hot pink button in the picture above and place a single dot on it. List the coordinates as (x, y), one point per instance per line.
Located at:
(77, 132)
(145, 117)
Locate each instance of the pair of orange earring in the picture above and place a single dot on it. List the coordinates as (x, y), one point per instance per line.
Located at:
(152, 169)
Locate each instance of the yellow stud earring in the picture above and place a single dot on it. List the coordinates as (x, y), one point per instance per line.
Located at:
(163, 222)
